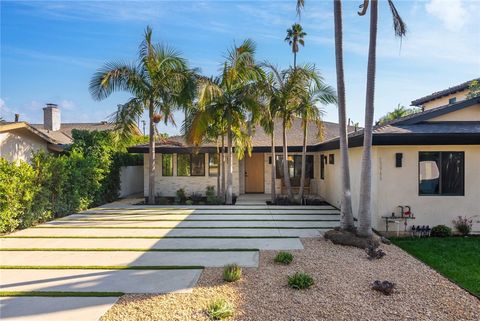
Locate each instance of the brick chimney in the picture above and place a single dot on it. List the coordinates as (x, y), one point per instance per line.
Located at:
(51, 117)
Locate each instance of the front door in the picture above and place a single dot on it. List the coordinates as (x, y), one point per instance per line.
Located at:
(254, 173)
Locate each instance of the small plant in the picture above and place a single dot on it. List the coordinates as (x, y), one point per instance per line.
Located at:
(220, 309)
(441, 231)
(300, 281)
(180, 197)
(232, 273)
(162, 201)
(284, 258)
(463, 225)
(196, 198)
(386, 287)
(212, 198)
(189, 202)
(374, 252)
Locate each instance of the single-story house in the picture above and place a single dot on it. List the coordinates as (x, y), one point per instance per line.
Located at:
(428, 162)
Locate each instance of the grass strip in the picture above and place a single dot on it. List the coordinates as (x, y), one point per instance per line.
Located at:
(185, 227)
(59, 294)
(36, 249)
(101, 267)
(144, 237)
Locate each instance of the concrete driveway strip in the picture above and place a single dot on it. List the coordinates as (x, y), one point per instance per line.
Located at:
(203, 217)
(54, 309)
(126, 281)
(126, 258)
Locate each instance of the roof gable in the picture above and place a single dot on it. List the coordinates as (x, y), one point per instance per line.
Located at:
(442, 93)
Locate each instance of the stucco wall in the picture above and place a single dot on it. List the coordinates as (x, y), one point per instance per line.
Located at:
(20, 144)
(466, 114)
(168, 185)
(461, 95)
(131, 180)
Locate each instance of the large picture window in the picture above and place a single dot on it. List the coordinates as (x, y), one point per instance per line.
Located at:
(191, 164)
(295, 167)
(441, 173)
(167, 165)
(213, 161)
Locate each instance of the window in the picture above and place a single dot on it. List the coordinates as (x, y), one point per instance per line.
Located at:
(295, 167)
(213, 161)
(322, 166)
(183, 164)
(441, 173)
(167, 165)
(198, 164)
(452, 100)
(331, 159)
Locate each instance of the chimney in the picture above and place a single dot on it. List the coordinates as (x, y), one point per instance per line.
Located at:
(17, 117)
(51, 117)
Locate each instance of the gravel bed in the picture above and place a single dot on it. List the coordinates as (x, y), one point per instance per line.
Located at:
(341, 292)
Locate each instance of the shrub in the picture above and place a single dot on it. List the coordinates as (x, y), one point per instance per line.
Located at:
(284, 258)
(374, 252)
(232, 273)
(163, 201)
(463, 225)
(441, 231)
(189, 202)
(180, 196)
(300, 281)
(212, 198)
(386, 287)
(220, 309)
(196, 198)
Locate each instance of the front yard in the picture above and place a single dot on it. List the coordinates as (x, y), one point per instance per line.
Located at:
(457, 258)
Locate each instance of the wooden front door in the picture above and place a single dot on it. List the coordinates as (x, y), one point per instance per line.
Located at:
(254, 173)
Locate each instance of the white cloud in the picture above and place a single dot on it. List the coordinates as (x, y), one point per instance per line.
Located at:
(67, 104)
(452, 13)
(2, 103)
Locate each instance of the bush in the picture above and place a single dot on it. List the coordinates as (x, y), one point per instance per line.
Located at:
(180, 196)
(212, 198)
(189, 202)
(463, 225)
(196, 198)
(232, 273)
(441, 231)
(300, 281)
(220, 309)
(284, 258)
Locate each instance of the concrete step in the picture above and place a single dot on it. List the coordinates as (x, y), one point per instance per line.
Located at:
(215, 217)
(126, 258)
(126, 281)
(206, 207)
(215, 211)
(86, 243)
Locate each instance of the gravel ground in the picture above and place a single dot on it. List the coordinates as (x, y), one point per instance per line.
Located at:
(341, 292)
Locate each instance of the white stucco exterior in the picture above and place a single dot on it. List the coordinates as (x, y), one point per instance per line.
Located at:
(20, 144)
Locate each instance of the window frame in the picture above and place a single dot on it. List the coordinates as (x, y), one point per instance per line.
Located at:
(189, 162)
(322, 166)
(163, 164)
(440, 179)
(294, 159)
(201, 156)
(218, 164)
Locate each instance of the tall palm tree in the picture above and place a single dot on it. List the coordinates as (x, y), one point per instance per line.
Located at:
(233, 94)
(294, 37)
(159, 82)
(364, 210)
(310, 112)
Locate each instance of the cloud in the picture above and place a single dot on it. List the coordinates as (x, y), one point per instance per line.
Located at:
(452, 13)
(67, 104)
(2, 103)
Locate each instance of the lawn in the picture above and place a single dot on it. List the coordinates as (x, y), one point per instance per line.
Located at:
(457, 258)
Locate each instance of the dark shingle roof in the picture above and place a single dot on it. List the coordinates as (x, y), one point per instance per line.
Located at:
(441, 93)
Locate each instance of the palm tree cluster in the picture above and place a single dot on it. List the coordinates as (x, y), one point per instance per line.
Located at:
(224, 109)
(399, 112)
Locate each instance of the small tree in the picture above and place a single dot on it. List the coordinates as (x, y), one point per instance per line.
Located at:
(474, 89)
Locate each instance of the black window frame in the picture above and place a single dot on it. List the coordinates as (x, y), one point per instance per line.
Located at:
(218, 164)
(440, 168)
(322, 166)
(163, 165)
(296, 169)
(201, 156)
(452, 100)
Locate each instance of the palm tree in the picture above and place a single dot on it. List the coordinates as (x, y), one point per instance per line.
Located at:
(294, 37)
(309, 112)
(160, 82)
(233, 94)
(365, 211)
(398, 112)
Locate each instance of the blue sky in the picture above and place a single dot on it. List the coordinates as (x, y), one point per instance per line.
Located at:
(50, 50)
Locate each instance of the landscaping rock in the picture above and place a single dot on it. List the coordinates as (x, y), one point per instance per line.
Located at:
(384, 240)
(350, 238)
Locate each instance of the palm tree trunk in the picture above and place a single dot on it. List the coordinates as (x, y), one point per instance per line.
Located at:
(229, 167)
(294, 60)
(304, 160)
(151, 157)
(274, 169)
(365, 207)
(286, 175)
(219, 169)
(223, 167)
(347, 222)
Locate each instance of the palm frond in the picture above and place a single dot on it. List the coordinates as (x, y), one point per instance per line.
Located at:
(126, 116)
(398, 24)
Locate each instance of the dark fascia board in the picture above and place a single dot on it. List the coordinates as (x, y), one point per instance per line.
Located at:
(190, 150)
(442, 93)
(439, 111)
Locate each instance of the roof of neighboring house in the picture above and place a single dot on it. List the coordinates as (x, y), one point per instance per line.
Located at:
(261, 141)
(442, 93)
(63, 136)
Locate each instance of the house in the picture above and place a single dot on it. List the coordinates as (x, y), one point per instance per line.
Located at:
(428, 162)
(19, 140)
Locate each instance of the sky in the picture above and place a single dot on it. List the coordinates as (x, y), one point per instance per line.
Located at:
(50, 50)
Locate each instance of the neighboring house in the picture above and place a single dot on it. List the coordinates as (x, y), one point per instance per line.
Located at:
(429, 161)
(19, 140)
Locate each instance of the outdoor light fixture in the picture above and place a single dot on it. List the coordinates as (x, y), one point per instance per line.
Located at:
(398, 159)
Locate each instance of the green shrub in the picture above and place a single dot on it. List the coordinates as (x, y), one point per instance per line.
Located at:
(189, 202)
(300, 281)
(196, 198)
(232, 273)
(180, 196)
(284, 258)
(463, 225)
(220, 309)
(163, 201)
(212, 198)
(441, 231)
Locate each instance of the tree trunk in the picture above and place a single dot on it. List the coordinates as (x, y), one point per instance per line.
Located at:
(347, 222)
(223, 167)
(219, 169)
(286, 175)
(304, 160)
(365, 206)
(151, 157)
(294, 60)
(274, 169)
(229, 168)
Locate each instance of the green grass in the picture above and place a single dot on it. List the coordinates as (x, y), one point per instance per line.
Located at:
(457, 258)
(60, 294)
(284, 257)
(300, 281)
(128, 250)
(100, 267)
